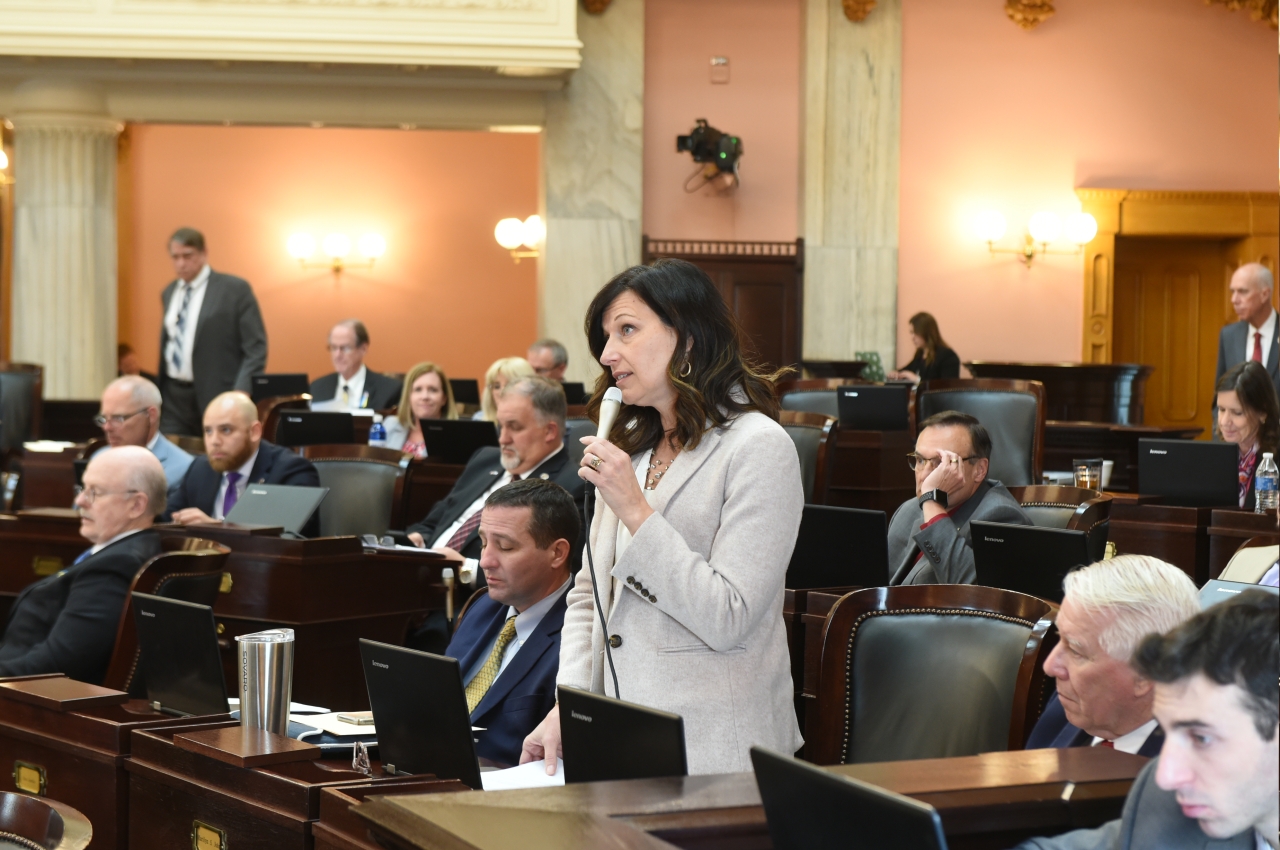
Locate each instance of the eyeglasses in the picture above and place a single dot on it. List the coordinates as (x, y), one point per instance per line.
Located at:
(116, 419)
(915, 461)
(342, 349)
(92, 495)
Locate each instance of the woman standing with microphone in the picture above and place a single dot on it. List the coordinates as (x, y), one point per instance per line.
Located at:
(698, 505)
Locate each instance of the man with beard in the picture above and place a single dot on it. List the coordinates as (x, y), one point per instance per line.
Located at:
(236, 457)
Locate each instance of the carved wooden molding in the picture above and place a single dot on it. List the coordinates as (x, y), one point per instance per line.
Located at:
(595, 7)
(1028, 14)
(1263, 11)
(857, 10)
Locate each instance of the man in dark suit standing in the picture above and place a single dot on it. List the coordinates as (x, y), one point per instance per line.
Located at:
(1255, 336)
(353, 385)
(237, 456)
(508, 644)
(1107, 608)
(212, 339)
(531, 417)
(66, 623)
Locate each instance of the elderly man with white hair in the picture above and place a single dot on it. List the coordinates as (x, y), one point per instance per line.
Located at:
(1108, 608)
(1255, 336)
(66, 623)
(129, 415)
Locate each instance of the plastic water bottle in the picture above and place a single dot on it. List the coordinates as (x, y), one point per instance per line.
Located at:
(1266, 484)
(378, 436)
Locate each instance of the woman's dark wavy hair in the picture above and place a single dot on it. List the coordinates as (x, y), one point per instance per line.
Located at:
(926, 327)
(686, 301)
(1252, 385)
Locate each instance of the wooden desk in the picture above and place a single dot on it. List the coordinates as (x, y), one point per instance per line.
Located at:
(426, 482)
(1066, 440)
(1177, 535)
(34, 544)
(1230, 528)
(992, 800)
(339, 828)
(871, 470)
(49, 478)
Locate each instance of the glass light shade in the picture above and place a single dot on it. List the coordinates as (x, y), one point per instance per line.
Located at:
(1045, 227)
(509, 233)
(372, 246)
(4, 160)
(337, 245)
(1081, 228)
(301, 245)
(534, 231)
(991, 226)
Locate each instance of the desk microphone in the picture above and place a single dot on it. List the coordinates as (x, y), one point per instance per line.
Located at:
(609, 408)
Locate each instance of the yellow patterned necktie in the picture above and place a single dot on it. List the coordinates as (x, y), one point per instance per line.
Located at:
(483, 680)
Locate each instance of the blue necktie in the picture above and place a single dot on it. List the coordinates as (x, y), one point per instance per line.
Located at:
(86, 553)
(175, 351)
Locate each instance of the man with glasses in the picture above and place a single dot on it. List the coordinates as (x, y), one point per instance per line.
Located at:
(549, 359)
(353, 385)
(929, 539)
(66, 623)
(129, 415)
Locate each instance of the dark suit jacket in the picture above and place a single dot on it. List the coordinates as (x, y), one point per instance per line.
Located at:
(383, 392)
(946, 364)
(231, 341)
(482, 470)
(1053, 731)
(66, 623)
(525, 691)
(274, 465)
(1231, 343)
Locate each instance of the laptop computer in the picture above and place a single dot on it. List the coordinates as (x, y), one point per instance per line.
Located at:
(808, 808)
(314, 428)
(1027, 558)
(283, 383)
(605, 738)
(840, 547)
(465, 390)
(1190, 473)
(456, 440)
(420, 712)
(1216, 590)
(285, 505)
(574, 392)
(180, 659)
(868, 407)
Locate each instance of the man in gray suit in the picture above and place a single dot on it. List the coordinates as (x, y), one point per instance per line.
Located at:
(1254, 337)
(1214, 784)
(212, 339)
(929, 535)
(129, 415)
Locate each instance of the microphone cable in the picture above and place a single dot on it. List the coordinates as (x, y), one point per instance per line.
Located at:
(609, 408)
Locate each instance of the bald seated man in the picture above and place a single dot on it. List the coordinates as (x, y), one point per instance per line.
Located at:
(236, 456)
(1255, 336)
(66, 623)
(129, 415)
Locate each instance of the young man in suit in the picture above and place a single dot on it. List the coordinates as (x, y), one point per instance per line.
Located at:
(129, 415)
(353, 385)
(66, 623)
(508, 644)
(212, 338)
(1214, 784)
(929, 535)
(1255, 336)
(1107, 609)
(237, 456)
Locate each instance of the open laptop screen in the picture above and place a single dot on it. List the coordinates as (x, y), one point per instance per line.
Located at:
(605, 738)
(180, 661)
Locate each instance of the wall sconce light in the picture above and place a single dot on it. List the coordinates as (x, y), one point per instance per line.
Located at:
(512, 233)
(336, 247)
(1042, 228)
(5, 179)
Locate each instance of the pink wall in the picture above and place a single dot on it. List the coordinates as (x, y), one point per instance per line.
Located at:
(444, 290)
(760, 104)
(1140, 94)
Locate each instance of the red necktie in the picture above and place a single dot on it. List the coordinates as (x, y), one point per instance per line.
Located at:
(1257, 346)
(1108, 744)
(460, 536)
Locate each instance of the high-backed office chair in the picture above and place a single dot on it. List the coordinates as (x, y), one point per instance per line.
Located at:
(814, 437)
(21, 405)
(38, 823)
(189, 569)
(269, 410)
(1053, 506)
(575, 430)
(1011, 411)
(366, 486)
(812, 395)
(1252, 560)
(929, 671)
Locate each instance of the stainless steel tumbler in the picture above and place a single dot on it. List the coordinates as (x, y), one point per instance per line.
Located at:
(266, 679)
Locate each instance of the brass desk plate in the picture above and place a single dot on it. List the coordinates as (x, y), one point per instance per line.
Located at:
(29, 778)
(205, 837)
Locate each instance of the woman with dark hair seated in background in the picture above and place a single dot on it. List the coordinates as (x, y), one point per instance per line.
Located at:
(1249, 416)
(933, 359)
(426, 395)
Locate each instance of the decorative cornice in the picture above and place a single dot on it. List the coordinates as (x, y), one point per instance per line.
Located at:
(1028, 14)
(857, 10)
(1263, 11)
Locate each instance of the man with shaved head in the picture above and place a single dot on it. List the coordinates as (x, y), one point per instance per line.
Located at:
(1254, 337)
(236, 456)
(129, 415)
(66, 623)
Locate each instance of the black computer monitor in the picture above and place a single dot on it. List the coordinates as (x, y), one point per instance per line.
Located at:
(314, 428)
(1190, 473)
(465, 390)
(605, 738)
(574, 392)
(1217, 590)
(456, 440)
(870, 407)
(180, 661)
(282, 383)
(840, 547)
(1027, 558)
(285, 505)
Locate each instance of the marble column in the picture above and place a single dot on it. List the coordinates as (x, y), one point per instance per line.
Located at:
(64, 254)
(851, 130)
(592, 176)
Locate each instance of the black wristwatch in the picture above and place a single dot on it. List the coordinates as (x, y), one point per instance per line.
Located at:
(939, 496)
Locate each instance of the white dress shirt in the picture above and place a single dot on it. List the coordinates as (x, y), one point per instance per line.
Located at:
(187, 340)
(355, 389)
(240, 485)
(1268, 331)
(526, 622)
(1133, 741)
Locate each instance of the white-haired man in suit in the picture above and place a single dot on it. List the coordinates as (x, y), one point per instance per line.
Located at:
(1255, 336)
(129, 415)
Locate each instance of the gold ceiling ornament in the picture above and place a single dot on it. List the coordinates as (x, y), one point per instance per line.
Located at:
(857, 10)
(1259, 10)
(595, 7)
(1028, 14)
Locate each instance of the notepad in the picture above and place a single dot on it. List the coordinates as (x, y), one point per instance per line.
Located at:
(531, 774)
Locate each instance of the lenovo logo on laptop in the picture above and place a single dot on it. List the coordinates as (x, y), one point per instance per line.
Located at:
(1157, 451)
(380, 664)
(576, 716)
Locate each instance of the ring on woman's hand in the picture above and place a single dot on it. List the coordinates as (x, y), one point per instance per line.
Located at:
(595, 462)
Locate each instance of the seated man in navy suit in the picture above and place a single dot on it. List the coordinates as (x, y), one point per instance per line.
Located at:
(236, 457)
(508, 644)
(1108, 608)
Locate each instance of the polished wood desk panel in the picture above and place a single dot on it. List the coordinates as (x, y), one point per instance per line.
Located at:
(339, 828)
(34, 544)
(1228, 529)
(1064, 441)
(871, 470)
(1173, 534)
(49, 478)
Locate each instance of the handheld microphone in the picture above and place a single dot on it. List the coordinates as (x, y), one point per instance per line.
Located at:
(609, 411)
(609, 408)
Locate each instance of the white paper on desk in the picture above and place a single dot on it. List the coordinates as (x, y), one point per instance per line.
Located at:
(531, 774)
(330, 723)
(294, 707)
(46, 446)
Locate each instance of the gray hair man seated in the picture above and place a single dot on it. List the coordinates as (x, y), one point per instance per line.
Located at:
(929, 539)
(129, 415)
(66, 623)
(549, 359)
(1107, 609)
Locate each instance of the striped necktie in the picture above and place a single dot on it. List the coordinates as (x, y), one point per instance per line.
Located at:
(479, 686)
(180, 326)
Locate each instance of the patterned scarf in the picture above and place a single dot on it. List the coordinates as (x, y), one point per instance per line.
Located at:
(1248, 461)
